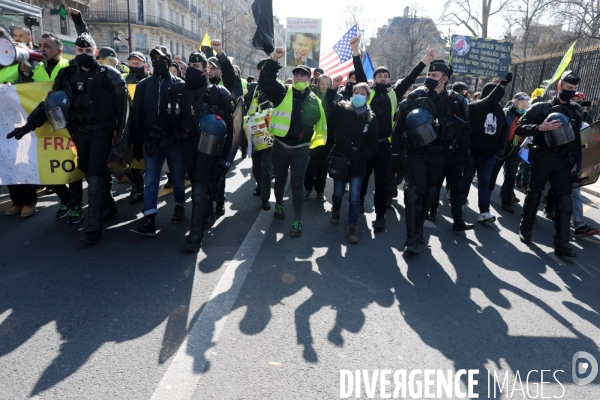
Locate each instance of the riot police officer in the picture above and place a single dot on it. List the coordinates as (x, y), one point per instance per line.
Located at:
(554, 156)
(98, 99)
(199, 114)
(435, 122)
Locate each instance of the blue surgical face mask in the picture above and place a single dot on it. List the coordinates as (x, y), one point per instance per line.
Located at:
(358, 100)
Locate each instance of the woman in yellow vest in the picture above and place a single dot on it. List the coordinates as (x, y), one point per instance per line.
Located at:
(297, 122)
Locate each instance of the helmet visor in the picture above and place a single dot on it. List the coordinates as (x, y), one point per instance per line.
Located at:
(56, 118)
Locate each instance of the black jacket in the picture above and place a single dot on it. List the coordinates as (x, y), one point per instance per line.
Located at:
(356, 135)
(489, 128)
(305, 111)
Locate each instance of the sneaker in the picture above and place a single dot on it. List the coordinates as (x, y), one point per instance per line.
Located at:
(508, 207)
(178, 214)
(352, 235)
(148, 228)
(307, 193)
(486, 217)
(448, 194)
(335, 216)
(220, 210)
(136, 197)
(585, 231)
(321, 197)
(91, 237)
(14, 210)
(279, 213)
(514, 199)
(27, 211)
(63, 211)
(265, 205)
(76, 215)
(168, 185)
(411, 250)
(296, 229)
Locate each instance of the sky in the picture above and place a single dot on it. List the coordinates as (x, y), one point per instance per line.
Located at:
(331, 12)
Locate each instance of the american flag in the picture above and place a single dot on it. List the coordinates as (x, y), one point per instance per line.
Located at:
(338, 61)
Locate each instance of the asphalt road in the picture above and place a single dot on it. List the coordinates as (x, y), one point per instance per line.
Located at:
(257, 314)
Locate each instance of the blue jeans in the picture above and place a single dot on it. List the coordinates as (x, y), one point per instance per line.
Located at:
(353, 196)
(484, 166)
(167, 149)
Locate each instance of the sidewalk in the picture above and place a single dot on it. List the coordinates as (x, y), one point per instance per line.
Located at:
(592, 189)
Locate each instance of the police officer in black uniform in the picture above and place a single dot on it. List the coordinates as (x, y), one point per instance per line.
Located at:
(556, 151)
(98, 98)
(199, 114)
(435, 122)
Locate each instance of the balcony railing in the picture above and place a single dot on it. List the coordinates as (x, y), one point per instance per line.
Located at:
(184, 3)
(149, 20)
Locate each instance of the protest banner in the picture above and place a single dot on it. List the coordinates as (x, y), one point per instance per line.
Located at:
(303, 42)
(480, 57)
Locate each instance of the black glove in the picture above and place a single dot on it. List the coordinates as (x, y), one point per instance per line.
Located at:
(18, 133)
(507, 79)
(151, 143)
(468, 159)
(138, 151)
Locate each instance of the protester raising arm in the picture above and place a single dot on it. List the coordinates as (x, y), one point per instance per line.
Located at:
(267, 80)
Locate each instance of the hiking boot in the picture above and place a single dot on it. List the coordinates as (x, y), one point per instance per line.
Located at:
(584, 231)
(486, 217)
(321, 197)
(220, 211)
(379, 223)
(335, 216)
(148, 228)
(14, 210)
(508, 207)
(461, 225)
(192, 245)
(279, 213)
(296, 229)
(178, 215)
(549, 214)
(136, 197)
(63, 211)
(27, 211)
(352, 235)
(307, 193)
(76, 215)
(515, 199)
(91, 237)
(266, 205)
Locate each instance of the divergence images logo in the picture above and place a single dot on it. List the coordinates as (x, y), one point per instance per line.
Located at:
(461, 46)
(582, 367)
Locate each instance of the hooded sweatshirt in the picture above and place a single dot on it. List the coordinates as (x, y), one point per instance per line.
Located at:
(489, 129)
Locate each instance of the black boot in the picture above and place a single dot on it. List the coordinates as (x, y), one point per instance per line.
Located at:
(564, 210)
(461, 225)
(94, 214)
(410, 211)
(379, 223)
(530, 208)
(148, 228)
(199, 206)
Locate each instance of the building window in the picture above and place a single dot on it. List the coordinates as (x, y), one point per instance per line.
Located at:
(64, 27)
(183, 21)
(140, 6)
(171, 46)
(182, 52)
(140, 41)
(112, 5)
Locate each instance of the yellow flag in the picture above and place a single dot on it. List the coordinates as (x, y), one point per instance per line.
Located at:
(205, 42)
(561, 67)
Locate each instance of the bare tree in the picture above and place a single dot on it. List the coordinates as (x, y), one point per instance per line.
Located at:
(353, 15)
(464, 12)
(523, 15)
(583, 18)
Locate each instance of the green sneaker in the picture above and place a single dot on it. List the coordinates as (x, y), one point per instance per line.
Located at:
(63, 210)
(279, 214)
(76, 215)
(296, 228)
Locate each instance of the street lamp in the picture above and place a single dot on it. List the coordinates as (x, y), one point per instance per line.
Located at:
(117, 39)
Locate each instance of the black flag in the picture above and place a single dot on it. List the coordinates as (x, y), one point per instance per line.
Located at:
(265, 30)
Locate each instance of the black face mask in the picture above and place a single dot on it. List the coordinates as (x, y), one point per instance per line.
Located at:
(194, 76)
(566, 95)
(214, 80)
(160, 67)
(431, 83)
(85, 61)
(139, 72)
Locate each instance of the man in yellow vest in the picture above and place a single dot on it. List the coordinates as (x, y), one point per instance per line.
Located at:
(383, 101)
(297, 122)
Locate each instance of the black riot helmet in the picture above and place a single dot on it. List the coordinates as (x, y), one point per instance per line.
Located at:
(57, 109)
(561, 135)
(419, 127)
(213, 133)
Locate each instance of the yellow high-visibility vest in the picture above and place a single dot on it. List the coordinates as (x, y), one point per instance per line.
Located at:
(41, 75)
(393, 102)
(9, 74)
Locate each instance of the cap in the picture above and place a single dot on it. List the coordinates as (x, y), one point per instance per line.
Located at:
(197, 56)
(579, 95)
(106, 52)
(138, 55)
(586, 103)
(261, 64)
(319, 71)
(85, 40)
(161, 51)
(570, 77)
(301, 68)
(440, 65)
(215, 62)
(459, 87)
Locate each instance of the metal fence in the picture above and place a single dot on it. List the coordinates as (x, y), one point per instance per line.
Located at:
(529, 74)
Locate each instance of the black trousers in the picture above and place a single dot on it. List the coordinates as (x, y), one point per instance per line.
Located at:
(379, 164)
(316, 171)
(71, 194)
(453, 173)
(22, 195)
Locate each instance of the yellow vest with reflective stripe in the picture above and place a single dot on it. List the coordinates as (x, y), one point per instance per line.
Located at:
(281, 119)
(9, 74)
(393, 103)
(41, 75)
